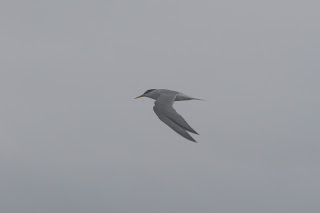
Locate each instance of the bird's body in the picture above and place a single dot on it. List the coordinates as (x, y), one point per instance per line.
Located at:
(166, 113)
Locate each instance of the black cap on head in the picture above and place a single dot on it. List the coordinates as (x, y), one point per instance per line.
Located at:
(149, 90)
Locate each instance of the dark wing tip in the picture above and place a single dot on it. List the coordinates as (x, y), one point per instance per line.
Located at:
(191, 139)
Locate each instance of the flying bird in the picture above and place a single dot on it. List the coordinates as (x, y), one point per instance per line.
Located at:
(166, 113)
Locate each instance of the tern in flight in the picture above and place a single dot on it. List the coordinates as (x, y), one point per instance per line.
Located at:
(166, 113)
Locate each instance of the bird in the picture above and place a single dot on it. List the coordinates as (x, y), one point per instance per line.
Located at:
(163, 107)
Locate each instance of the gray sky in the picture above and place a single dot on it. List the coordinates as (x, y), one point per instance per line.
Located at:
(73, 139)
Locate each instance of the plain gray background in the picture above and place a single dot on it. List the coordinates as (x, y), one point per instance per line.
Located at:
(73, 139)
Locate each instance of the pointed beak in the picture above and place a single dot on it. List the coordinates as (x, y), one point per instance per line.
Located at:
(140, 96)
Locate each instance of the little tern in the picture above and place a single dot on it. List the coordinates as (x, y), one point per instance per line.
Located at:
(166, 113)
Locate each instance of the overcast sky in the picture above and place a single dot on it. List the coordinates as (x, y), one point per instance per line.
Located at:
(73, 139)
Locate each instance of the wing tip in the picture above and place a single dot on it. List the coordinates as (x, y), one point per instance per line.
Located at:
(193, 140)
(193, 131)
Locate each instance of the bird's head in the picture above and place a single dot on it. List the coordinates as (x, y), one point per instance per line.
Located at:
(150, 93)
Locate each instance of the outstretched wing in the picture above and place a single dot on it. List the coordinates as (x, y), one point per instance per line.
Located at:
(167, 114)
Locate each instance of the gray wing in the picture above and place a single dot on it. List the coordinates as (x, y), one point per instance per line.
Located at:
(167, 114)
